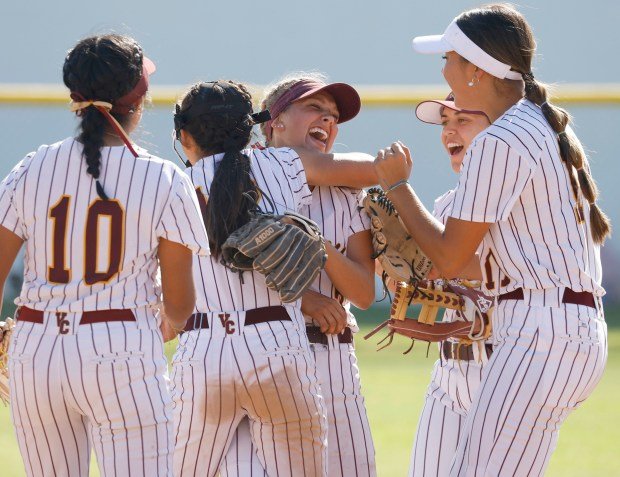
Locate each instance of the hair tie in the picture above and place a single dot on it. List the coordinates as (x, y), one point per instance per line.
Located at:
(562, 134)
(79, 103)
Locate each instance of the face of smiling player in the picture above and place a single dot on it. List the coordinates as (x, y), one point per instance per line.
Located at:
(310, 122)
(458, 130)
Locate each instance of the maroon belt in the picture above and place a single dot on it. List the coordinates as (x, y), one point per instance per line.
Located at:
(88, 317)
(451, 350)
(570, 296)
(316, 336)
(252, 317)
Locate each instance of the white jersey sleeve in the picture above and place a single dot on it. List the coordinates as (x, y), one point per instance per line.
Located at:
(493, 177)
(181, 220)
(360, 221)
(289, 164)
(9, 215)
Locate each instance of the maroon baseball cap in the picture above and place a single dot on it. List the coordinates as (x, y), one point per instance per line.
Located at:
(346, 97)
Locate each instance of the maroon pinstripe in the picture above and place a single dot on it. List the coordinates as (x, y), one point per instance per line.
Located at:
(540, 239)
(264, 371)
(350, 447)
(75, 385)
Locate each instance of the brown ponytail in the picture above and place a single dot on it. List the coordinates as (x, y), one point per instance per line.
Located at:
(572, 155)
(503, 33)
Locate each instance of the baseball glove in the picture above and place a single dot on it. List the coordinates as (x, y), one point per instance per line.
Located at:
(475, 312)
(397, 252)
(6, 328)
(287, 249)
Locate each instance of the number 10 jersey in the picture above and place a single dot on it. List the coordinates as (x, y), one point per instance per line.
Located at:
(84, 253)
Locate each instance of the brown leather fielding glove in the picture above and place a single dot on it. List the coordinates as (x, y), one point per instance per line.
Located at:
(475, 309)
(396, 250)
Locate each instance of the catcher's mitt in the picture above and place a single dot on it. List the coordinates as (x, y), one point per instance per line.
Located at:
(399, 255)
(6, 328)
(287, 249)
(475, 309)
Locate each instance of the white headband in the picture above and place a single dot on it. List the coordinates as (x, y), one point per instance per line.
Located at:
(453, 39)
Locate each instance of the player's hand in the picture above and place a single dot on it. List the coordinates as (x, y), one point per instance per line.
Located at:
(327, 313)
(393, 164)
(433, 274)
(167, 330)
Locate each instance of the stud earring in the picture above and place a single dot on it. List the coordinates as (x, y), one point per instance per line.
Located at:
(473, 81)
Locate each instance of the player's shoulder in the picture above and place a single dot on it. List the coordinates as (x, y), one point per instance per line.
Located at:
(522, 129)
(21, 169)
(285, 155)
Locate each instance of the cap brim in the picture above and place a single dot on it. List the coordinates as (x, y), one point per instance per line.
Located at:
(148, 65)
(430, 111)
(431, 44)
(346, 97)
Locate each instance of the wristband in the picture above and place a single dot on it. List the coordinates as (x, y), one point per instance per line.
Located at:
(396, 185)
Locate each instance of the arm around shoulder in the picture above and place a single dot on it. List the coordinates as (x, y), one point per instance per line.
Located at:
(353, 169)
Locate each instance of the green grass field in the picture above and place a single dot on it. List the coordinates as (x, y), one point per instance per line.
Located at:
(394, 388)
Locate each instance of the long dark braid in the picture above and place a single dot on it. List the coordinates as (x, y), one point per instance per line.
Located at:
(503, 33)
(103, 68)
(232, 189)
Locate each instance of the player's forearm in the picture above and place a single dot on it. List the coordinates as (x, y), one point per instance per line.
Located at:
(177, 314)
(348, 170)
(472, 270)
(350, 278)
(428, 232)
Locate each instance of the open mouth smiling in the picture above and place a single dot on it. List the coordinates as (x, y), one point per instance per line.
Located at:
(454, 148)
(319, 134)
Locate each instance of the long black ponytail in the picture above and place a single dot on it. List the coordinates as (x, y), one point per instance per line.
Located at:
(103, 68)
(218, 117)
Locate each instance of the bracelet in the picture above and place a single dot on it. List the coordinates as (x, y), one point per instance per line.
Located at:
(396, 185)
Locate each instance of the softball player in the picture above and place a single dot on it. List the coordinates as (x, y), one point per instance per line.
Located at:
(96, 213)
(525, 193)
(457, 374)
(306, 112)
(244, 352)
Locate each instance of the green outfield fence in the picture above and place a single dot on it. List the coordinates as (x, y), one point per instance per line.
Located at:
(372, 95)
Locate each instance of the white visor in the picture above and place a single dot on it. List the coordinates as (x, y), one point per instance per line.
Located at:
(453, 39)
(430, 111)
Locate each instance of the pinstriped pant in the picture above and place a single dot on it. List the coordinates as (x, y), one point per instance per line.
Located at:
(265, 372)
(448, 399)
(546, 361)
(349, 444)
(102, 385)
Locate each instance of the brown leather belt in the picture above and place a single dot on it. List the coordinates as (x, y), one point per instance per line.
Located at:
(451, 350)
(570, 296)
(316, 336)
(88, 317)
(200, 321)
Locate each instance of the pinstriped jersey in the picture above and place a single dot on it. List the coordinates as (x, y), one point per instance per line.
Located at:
(339, 214)
(513, 178)
(280, 175)
(84, 253)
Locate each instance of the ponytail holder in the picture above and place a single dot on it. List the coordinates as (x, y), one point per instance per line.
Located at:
(78, 103)
(528, 76)
(261, 117)
(562, 134)
(544, 104)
